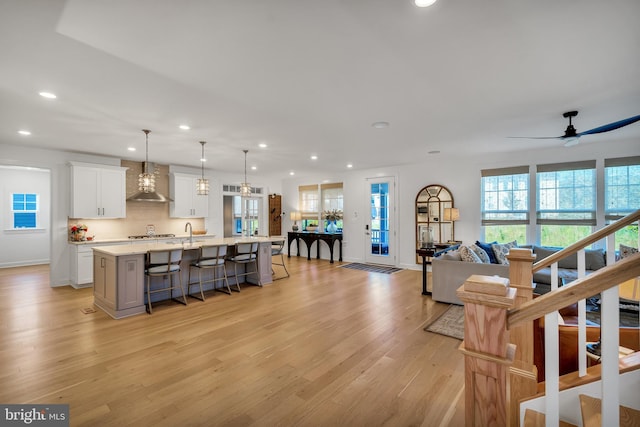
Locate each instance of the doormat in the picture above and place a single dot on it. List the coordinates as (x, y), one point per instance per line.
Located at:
(372, 268)
(450, 323)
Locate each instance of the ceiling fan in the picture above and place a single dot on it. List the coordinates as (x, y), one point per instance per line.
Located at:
(571, 136)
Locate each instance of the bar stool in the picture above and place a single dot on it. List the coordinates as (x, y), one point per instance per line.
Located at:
(211, 257)
(245, 254)
(276, 250)
(164, 263)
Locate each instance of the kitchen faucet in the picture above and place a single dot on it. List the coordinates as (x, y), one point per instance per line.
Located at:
(188, 225)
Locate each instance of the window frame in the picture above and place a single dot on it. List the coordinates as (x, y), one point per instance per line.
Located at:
(518, 175)
(564, 172)
(34, 210)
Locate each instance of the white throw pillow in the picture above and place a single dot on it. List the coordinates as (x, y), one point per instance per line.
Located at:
(626, 251)
(468, 255)
(482, 254)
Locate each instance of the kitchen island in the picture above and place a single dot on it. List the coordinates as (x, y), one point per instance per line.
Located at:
(118, 271)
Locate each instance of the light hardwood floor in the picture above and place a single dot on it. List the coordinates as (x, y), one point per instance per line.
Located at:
(329, 346)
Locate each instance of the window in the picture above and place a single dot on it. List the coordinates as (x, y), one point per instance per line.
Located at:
(309, 203)
(566, 202)
(505, 203)
(566, 193)
(332, 199)
(24, 207)
(622, 194)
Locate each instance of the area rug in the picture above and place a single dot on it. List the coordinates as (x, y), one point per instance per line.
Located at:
(372, 268)
(450, 323)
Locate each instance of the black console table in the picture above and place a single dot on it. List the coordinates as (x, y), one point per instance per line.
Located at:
(429, 252)
(308, 237)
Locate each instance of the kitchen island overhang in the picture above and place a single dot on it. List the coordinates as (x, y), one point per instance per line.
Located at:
(119, 279)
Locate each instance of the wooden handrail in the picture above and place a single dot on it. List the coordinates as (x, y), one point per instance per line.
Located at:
(592, 238)
(577, 290)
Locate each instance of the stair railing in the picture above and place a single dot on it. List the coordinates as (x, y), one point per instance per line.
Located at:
(517, 310)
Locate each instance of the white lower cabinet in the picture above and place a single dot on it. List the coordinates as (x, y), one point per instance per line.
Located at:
(82, 263)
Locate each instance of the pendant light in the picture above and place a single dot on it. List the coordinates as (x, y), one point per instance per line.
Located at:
(245, 187)
(202, 186)
(146, 180)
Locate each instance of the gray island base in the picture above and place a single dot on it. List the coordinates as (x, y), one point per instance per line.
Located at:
(119, 279)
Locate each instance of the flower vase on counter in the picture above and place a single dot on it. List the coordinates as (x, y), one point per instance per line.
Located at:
(332, 227)
(78, 232)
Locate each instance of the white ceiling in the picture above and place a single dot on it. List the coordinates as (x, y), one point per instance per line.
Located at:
(309, 77)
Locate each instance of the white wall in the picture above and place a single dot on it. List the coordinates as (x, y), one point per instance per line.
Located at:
(458, 172)
(25, 246)
(56, 162)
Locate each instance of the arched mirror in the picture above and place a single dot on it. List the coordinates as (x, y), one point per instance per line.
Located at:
(435, 216)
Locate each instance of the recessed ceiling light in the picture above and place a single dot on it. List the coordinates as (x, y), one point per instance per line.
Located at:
(24, 132)
(48, 95)
(424, 3)
(314, 157)
(262, 145)
(185, 127)
(380, 125)
(349, 165)
(203, 160)
(131, 148)
(254, 168)
(433, 152)
(292, 173)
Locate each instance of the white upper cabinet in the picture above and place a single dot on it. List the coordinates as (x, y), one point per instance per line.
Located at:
(98, 191)
(186, 201)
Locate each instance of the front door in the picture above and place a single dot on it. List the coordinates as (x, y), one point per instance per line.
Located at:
(380, 226)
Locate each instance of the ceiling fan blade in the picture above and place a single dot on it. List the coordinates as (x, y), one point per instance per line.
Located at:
(536, 137)
(610, 126)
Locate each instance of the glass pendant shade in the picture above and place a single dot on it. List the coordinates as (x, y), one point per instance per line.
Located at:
(146, 180)
(202, 185)
(245, 187)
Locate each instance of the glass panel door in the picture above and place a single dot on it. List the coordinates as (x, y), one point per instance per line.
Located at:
(379, 231)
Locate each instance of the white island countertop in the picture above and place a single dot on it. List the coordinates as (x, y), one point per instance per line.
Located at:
(142, 248)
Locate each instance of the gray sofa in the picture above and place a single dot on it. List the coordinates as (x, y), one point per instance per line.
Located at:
(449, 272)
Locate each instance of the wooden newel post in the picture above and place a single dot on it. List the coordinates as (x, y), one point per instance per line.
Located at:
(523, 378)
(488, 353)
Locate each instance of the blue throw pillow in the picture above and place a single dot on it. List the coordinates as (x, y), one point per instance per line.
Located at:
(489, 250)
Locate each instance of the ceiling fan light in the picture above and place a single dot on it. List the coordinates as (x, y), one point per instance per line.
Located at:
(424, 3)
(571, 141)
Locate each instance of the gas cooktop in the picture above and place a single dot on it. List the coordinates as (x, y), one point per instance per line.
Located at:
(152, 236)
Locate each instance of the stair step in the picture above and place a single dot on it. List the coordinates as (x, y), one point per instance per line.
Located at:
(592, 410)
(536, 419)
